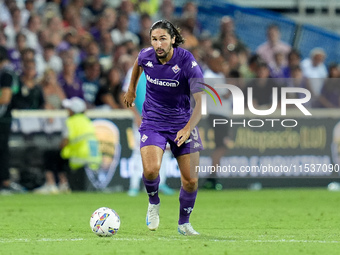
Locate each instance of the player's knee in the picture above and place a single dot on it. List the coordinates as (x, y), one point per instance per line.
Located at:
(190, 185)
(151, 173)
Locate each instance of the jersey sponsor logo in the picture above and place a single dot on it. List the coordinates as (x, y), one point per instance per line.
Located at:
(193, 64)
(176, 69)
(144, 138)
(163, 82)
(149, 64)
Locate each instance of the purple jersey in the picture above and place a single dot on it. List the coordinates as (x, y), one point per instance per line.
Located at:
(71, 90)
(167, 105)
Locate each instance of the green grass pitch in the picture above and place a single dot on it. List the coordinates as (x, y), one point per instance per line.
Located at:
(270, 221)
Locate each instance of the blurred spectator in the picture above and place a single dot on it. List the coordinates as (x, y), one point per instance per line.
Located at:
(70, 39)
(53, 93)
(105, 99)
(66, 163)
(31, 32)
(330, 92)
(125, 63)
(127, 7)
(30, 95)
(5, 12)
(144, 35)
(315, 69)
(215, 68)
(189, 17)
(273, 44)
(110, 15)
(249, 71)
(226, 27)
(91, 49)
(27, 11)
(121, 33)
(55, 30)
(191, 23)
(72, 52)
(97, 7)
(206, 43)
(3, 39)
(214, 75)
(6, 94)
(234, 78)
(166, 11)
(106, 49)
(262, 88)
(14, 28)
(95, 93)
(298, 80)
(229, 43)
(83, 12)
(27, 54)
(190, 39)
(48, 59)
(69, 13)
(114, 83)
(150, 6)
(278, 67)
(43, 38)
(84, 42)
(49, 8)
(118, 52)
(233, 61)
(100, 27)
(15, 52)
(294, 59)
(71, 18)
(68, 79)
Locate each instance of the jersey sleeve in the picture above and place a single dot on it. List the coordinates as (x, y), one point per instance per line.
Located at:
(142, 55)
(140, 58)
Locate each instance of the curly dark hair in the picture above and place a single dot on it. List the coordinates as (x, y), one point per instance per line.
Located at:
(171, 29)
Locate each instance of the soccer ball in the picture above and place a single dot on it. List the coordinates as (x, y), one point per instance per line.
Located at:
(105, 222)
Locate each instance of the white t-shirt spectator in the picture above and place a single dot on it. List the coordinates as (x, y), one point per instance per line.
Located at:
(316, 74)
(118, 37)
(55, 63)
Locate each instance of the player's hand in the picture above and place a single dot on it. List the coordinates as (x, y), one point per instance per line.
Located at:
(129, 97)
(182, 136)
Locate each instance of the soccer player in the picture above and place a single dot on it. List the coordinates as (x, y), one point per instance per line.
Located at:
(169, 116)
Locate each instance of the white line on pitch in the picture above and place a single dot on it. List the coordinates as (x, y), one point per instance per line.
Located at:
(25, 240)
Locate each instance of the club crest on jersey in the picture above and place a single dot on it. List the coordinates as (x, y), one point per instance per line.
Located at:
(144, 137)
(176, 69)
(149, 64)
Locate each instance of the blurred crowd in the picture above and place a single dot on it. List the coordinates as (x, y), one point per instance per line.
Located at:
(65, 48)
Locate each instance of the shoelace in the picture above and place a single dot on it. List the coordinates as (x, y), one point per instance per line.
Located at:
(152, 213)
(190, 229)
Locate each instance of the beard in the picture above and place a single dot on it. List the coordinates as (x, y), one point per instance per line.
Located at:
(164, 54)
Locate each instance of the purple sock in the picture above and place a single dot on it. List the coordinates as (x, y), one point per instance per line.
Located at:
(152, 189)
(186, 205)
